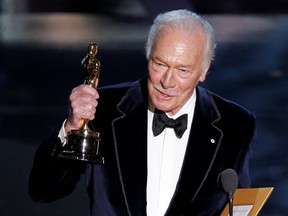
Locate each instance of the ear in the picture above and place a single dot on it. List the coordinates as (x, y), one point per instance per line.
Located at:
(203, 74)
(202, 77)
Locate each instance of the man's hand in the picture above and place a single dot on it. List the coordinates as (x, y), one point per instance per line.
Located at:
(83, 103)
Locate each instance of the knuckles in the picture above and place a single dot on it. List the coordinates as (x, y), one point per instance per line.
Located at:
(83, 103)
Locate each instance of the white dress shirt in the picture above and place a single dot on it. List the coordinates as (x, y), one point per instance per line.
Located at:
(165, 157)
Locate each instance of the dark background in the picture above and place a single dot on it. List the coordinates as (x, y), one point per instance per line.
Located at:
(43, 42)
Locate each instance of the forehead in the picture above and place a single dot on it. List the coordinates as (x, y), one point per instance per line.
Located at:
(180, 42)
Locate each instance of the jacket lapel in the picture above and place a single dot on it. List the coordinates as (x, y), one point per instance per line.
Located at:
(204, 142)
(131, 147)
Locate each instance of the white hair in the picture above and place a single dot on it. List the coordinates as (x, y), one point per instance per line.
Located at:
(183, 20)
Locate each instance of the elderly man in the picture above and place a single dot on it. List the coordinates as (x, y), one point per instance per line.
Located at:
(151, 167)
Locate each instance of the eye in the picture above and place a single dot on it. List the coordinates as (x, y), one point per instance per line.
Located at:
(158, 64)
(184, 72)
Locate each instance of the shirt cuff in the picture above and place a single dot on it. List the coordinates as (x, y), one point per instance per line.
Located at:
(62, 134)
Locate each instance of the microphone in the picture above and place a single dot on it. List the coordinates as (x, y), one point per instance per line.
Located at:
(228, 182)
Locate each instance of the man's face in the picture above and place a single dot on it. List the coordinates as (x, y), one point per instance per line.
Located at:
(175, 68)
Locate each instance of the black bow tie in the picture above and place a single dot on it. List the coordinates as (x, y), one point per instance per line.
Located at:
(161, 120)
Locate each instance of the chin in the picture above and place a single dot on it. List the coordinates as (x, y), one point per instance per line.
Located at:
(161, 106)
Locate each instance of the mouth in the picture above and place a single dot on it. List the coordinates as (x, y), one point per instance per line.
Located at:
(160, 94)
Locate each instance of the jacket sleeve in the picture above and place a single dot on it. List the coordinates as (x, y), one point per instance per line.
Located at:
(51, 178)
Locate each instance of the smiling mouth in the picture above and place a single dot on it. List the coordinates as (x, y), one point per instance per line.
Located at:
(163, 95)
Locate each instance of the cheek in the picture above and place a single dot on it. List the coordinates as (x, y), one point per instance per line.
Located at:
(150, 86)
(187, 87)
(153, 75)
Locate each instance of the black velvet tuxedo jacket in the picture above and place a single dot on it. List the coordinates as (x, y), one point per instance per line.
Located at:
(220, 138)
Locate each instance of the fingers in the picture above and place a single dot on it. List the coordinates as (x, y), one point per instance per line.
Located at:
(83, 103)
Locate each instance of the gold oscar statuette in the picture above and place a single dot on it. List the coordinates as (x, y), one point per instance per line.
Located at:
(83, 144)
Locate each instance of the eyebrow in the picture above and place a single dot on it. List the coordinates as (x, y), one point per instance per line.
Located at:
(156, 58)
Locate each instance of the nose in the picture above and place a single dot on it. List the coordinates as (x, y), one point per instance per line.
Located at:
(167, 79)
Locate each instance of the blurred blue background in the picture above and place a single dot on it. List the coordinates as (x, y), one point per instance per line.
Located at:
(43, 42)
